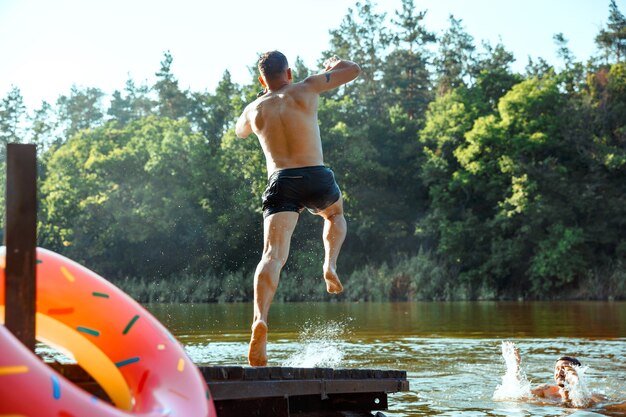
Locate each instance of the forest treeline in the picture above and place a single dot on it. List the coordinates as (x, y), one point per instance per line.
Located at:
(462, 178)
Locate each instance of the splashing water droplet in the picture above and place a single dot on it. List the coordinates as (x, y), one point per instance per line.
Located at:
(579, 394)
(514, 385)
(319, 346)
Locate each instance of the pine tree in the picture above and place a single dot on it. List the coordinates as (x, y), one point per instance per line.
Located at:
(12, 115)
(612, 40)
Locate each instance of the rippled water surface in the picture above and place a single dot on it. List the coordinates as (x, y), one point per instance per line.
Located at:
(451, 351)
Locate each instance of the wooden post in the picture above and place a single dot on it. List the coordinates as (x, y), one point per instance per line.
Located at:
(21, 242)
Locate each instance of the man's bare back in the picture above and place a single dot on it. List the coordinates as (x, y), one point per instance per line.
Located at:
(285, 121)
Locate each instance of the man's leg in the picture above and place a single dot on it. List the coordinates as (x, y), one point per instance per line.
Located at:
(277, 231)
(334, 234)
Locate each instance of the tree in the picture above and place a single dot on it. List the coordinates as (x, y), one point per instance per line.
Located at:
(362, 37)
(213, 114)
(454, 60)
(563, 51)
(498, 182)
(612, 39)
(493, 75)
(300, 70)
(81, 110)
(120, 109)
(173, 102)
(406, 73)
(448, 225)
(43, 128)
(134, 105)
(12, 118)
(115, 196)
(538, 69)
(573, 76)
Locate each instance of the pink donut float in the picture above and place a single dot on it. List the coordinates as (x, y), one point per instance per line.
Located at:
(143, 369)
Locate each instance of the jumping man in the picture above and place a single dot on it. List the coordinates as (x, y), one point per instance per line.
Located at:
(284, 118)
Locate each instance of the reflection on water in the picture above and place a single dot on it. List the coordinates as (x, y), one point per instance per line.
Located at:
(451, 351)
(458, 319)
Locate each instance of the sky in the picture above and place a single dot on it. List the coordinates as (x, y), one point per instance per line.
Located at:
(47, 46)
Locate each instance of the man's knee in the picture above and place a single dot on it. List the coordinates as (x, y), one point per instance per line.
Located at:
(335, 211)
(268, 270)
(336, 220)
(337, 217)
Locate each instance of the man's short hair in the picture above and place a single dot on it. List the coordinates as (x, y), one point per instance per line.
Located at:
(570, 359)
(272, 64)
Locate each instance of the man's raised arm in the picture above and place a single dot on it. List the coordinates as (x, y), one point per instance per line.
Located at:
(336, 72)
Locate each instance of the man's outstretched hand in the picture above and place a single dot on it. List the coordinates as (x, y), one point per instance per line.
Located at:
(331, 62)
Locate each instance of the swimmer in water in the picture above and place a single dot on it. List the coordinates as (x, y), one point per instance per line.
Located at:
(566, 377)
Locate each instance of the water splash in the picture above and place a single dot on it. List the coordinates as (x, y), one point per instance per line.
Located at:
(319, 346)
(579, 393)
(514, 385)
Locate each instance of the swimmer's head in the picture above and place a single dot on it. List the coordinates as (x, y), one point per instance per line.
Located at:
(570, 359)
(564, 370)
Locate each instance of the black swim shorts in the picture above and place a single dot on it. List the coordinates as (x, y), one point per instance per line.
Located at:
(294, 189)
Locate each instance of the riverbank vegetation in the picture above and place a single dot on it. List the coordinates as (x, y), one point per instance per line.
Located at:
(462, 179)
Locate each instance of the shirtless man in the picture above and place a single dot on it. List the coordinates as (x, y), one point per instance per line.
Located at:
(566, 377)
(284, 119)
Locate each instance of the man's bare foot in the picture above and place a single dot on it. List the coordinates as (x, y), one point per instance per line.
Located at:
(333, 285)
(257, 354)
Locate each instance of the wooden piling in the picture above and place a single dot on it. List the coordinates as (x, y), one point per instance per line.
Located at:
(21, 241)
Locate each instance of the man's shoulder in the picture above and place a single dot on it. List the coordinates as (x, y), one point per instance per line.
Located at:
(297, 93)
(256, 104)
(300, 86)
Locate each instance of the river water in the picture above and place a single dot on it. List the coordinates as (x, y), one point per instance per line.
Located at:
(452, 351)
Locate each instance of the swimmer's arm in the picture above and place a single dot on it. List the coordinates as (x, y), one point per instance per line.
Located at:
(243, 128)
(615, 407)
(600, 398)
(518, 358)
(336, 72)
(541, 391)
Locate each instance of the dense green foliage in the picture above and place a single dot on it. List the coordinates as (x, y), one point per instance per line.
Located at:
(462, 179)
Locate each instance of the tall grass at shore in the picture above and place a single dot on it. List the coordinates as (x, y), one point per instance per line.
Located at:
(417, 278)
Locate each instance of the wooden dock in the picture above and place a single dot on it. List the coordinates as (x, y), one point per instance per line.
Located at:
(283, 392)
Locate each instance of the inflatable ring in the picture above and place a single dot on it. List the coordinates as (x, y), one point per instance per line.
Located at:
(137, 362)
